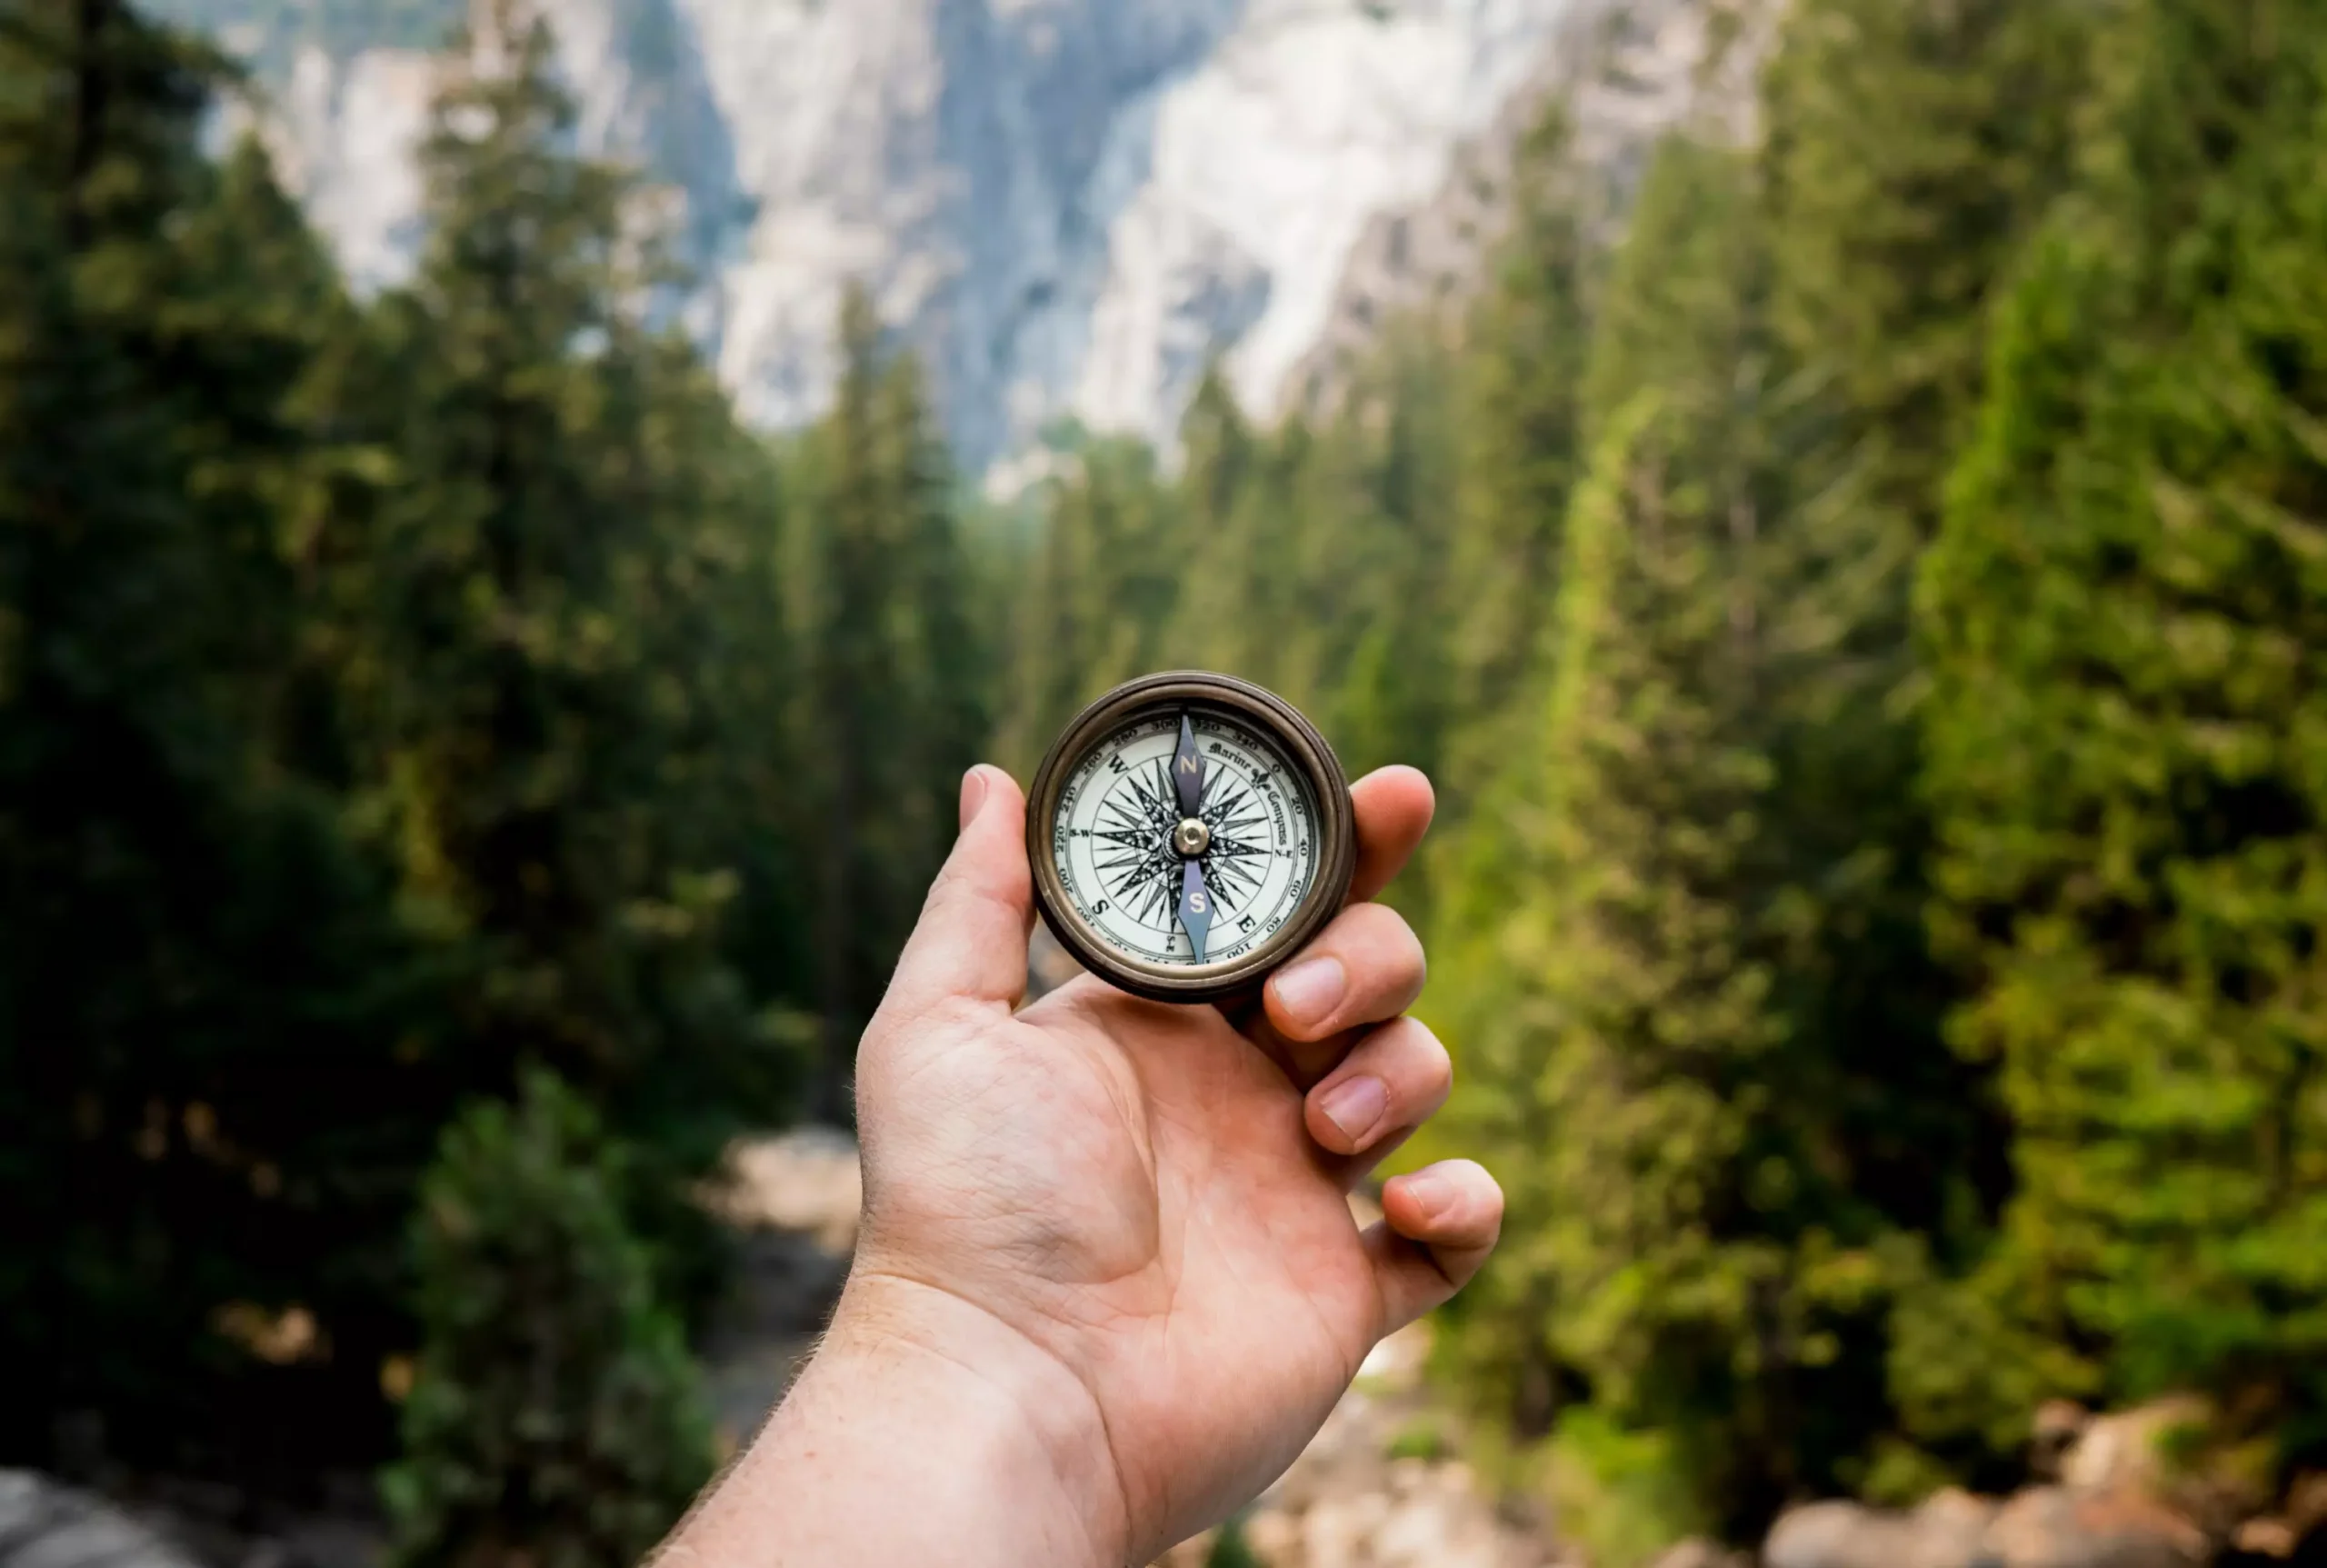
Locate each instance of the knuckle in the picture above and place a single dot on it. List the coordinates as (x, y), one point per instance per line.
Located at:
(1433, 1064)
(1468, 1174)
(1396, 942)
(1377, 943)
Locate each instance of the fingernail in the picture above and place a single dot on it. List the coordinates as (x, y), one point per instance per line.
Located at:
(1433, 1196)
(1311, 989)
(1355, 1105)
(973, 788)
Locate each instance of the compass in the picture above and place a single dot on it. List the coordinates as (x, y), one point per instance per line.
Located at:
(1188, 832)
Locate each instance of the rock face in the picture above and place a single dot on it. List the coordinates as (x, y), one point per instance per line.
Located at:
(2043, 1527)
(1623, 75)
(2063, 1527)
(2157, 1486)
(2124, 1450)
(45, 1526)
(1068, 206)
(1946, 1532)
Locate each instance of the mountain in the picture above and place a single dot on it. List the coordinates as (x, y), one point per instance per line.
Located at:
(1622, 74)
(1067, 206)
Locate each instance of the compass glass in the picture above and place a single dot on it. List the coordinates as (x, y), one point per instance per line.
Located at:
(1120, 833)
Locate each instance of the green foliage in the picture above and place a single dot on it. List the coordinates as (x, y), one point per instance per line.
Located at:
(1622, 1491)
(1520, 389)
(1687, 1256)
(1630, 1048)
(894, 676)
(2124, 617)
(1696, 1017)
(202, 989)
(1422, 1438)
(395, 696)
(1909, 151)
(555, 1418)
(534, 588)
(1909, 148)
(1096, 594)
(1230, 1548)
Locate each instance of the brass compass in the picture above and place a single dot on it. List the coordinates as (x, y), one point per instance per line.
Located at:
(1188, 832)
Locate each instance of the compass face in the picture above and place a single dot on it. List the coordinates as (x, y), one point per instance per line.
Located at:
(1119, 839)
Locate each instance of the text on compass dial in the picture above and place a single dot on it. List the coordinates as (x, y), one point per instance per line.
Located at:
(1112, 838)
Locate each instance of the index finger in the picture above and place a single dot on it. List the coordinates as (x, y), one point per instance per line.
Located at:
(1393, 806)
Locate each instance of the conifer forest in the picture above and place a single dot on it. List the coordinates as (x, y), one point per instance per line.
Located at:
(1864, 612)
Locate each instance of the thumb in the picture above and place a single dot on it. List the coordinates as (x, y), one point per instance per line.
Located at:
(970, 942)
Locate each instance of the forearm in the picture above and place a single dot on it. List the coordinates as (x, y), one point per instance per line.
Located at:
(924, 1431)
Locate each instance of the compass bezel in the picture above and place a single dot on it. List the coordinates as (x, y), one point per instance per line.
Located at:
(1287, 728)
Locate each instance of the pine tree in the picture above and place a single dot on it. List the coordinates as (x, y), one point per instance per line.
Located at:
(1386, 567)
(1703, 1243)
(1627, 1068)
(2124, 615)
(200, 985)
(892, 707)
(554, 1418)
(1909, 151)
(1106, 571)
(1234, 534)
(1910, 148)
(537, 579)
(1518, 394)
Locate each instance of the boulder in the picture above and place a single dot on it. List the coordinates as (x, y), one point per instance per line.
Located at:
(2265, 1537)
(2298, 1526)
(805, 1180)
(2058, 1424)
(1697, 1552)
(44, 1524)
(2125, 1450)
(1945, 1531)
(2306, 1503)
(2064, 1527)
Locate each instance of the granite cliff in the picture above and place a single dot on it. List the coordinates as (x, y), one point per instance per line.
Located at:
(1067, 206)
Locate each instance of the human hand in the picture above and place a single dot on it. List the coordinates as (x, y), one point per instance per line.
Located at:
(1106, 1268)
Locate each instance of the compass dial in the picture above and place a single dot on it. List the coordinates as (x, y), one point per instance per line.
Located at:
(1187, 834)
(1118, 847)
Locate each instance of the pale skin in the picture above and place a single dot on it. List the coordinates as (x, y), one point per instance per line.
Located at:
(1107, 1284)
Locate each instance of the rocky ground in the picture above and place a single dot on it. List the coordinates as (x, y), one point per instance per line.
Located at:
(2156, 1487)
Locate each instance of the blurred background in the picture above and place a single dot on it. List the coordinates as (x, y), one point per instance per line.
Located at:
(513, 519)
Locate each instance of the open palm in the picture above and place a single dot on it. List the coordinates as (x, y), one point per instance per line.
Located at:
(1152, 1197)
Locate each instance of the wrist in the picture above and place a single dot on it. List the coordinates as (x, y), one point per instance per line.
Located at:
(924, 1429)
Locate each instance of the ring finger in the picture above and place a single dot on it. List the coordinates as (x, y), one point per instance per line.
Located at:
(1394, 1081)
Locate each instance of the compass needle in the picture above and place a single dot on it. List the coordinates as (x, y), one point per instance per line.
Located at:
(1195, 907)
(1187, 771)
